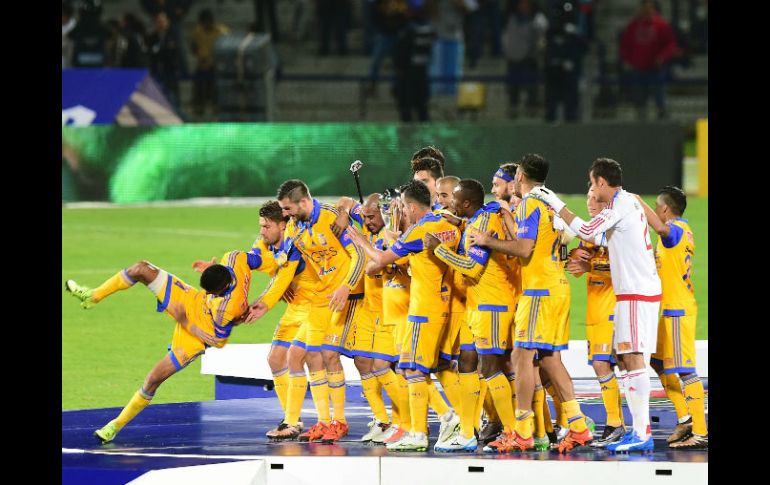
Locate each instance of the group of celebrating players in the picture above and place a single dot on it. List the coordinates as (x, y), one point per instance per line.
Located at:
(436, 282)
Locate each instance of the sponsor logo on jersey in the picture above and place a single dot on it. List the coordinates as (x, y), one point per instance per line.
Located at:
(624, 346)
(322, 239)
(445, 236)
(326, 271)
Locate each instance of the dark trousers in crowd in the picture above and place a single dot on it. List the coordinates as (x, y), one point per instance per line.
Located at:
(561, 88)
(412, 92)
(204, 91)
(522, 77)
(334, 16)
(645, 83)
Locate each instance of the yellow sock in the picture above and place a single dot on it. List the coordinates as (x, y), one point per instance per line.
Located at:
(436, 400)
(403, 407)
(481, 403)
(337, 394)
(547, 415)
(694, 394)
(575, 418)
(138, 401)
(319, 389)
(561, 418)
(450, 382)
(512, 383)
(418, 403)
(674, 392)
(372, 392)
(610, 394)
(295, 396)
(500, 390)
(524, 423)
(469, 395)
(281, 386)
(118, 281)
(398, 397)
(537, 409)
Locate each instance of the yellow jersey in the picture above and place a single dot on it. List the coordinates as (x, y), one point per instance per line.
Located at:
(223, 309)
(542, 273)
(429, 291)
(600, 295)
(673, 256)
(264, 258)
(488, 276)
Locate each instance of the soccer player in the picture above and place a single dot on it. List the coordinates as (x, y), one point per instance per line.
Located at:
(592, 259)
(428, 304)
(432, 152)
(204, 317)
(674, 358)
(445, 186)
(635, 282)
(490, 309)
(428, 170)
(330, 332)
(374, 349)
(542, 315)
(264, 253)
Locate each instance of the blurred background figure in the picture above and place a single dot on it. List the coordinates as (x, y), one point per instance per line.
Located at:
(523, 42)
(389, 17)
(175, 11)
(647, 46)
(135, 33)
(483, 24)
(449, 47)
(164, 59)
(411, 58)
(205, 34)
(334, 18)
(68, 23)
(265, 10)
(89, 37)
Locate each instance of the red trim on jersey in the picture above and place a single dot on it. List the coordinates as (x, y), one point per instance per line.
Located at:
(587, 229)
(634, 297)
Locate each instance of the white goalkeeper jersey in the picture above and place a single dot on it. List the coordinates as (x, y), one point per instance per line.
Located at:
(634, 274)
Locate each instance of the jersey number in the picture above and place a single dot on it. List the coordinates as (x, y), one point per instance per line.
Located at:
(647, 241)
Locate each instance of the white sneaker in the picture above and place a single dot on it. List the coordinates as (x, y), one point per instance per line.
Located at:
(449, 421)
(376, 432)
(457, 442)
(410, 442)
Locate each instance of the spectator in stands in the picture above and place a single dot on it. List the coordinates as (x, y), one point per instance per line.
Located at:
(266, 8)
(89, 37)
(411, 58)
(646, 47)
(116, 44)
(134, 31)
(334, 16)
(449, 47)
(523, 42)
(164, 59)
(175, 11)
(482, 24)
(204, 36)
(68, 23)
(566, 45)
(390, 17)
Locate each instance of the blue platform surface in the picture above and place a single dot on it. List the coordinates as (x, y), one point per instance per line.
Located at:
(184, 434)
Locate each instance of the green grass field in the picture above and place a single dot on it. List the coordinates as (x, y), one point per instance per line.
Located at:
(108, 350)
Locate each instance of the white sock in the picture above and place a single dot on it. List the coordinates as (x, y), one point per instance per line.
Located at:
(623, 379)
(639, 389)
(158, 285)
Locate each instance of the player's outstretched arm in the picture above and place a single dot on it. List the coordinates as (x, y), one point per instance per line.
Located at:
(200, 265)
(652, 218)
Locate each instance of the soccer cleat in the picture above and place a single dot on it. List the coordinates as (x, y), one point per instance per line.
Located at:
(590, 423)
(82, 293)
(410, 442)
(681, 432)
(694, 442)
(315, 432)
(632, 442)
(574, 439)
(284, 432)
(490, 432)
(395, 433)
(542, 444)
(610, 435)
(335, 432)
(449, 421)
(457, 442)
(377, 430)
(107, 433)
(510, 442)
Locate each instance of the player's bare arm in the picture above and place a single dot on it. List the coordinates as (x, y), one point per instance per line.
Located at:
(517, 247)
(653, 220)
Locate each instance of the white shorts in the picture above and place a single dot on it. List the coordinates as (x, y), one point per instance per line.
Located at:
(636, 326)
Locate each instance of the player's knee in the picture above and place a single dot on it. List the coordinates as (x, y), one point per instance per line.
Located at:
(601, 367)
(330, 357)
(363, 364)
(277, 361)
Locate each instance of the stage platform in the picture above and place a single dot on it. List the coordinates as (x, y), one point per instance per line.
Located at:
(223, 442)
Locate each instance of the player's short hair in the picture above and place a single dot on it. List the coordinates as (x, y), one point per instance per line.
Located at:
(430, 151)
(294, 189)
(534, 166)
(675, 198)
(609, 170)
(417, 191)
(453, 179)
(430, 164)
(473, 191)
(272, 210)
(510, 168)
(216, 278)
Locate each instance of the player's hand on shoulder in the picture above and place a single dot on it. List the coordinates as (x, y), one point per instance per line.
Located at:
(478, 238)
(200, 266)
(430, 241)
(547, 195)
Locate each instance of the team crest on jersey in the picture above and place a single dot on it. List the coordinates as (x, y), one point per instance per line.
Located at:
(445, 236)
(281, 259)
(482, 341)
(326, 271)
(689, 237)
(322, 239)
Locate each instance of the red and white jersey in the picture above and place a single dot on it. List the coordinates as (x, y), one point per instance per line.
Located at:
(634, 274)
